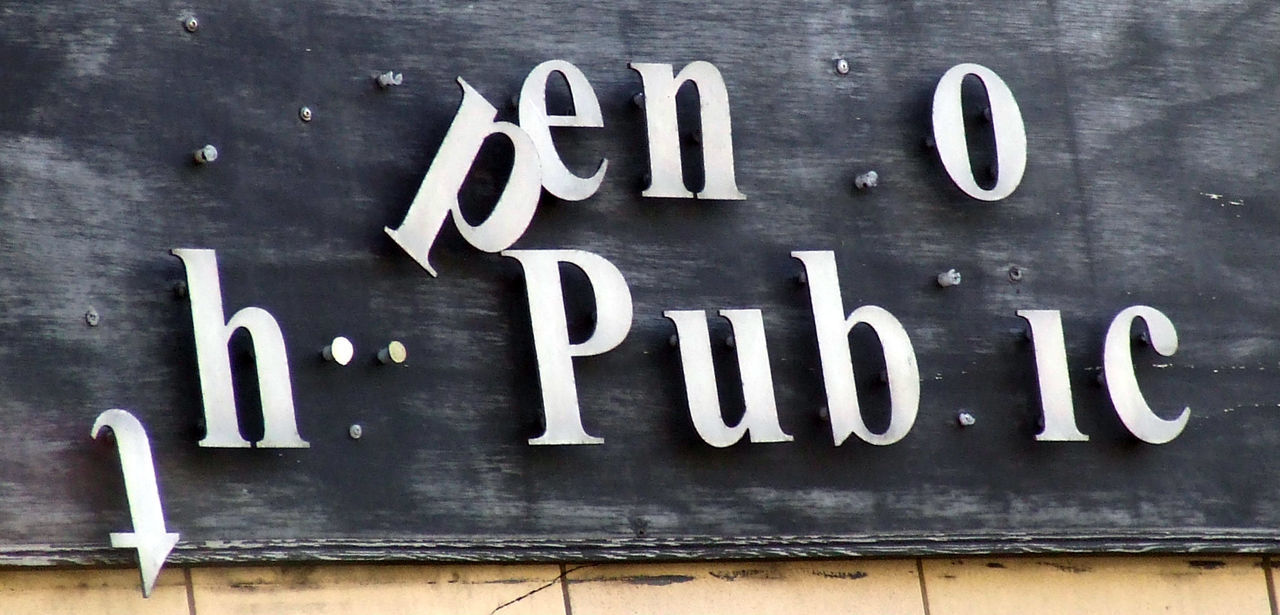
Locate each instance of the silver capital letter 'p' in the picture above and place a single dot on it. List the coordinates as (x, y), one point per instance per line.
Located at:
(551, 332)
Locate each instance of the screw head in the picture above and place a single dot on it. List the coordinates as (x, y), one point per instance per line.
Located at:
(340, 351)
(966, 419)
(191, 24)
(206, 154)
(1015, 274)
(304, 114)
(949, 278)
(393, 354)
(842, 66)
(389, 79)
(355, 431)
(91, 317)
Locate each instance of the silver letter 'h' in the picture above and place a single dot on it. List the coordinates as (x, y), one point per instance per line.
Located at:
(213, 333)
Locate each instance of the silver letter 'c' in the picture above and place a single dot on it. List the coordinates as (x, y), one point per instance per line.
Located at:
(837, 364)
(1006, 120)
(551, 332)
(760, 415)
(1122, 383)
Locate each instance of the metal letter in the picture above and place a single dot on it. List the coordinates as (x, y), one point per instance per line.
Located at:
(149, 535)
(556, 178)
(438, 195)
(1122, 383)
(837, 364)
(664, 138)
(1006, 120)
(1051, 371)
(551, 332)
(760, 417)
(280, 427)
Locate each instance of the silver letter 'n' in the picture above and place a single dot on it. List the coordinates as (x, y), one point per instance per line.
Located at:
(213, 333)
(665, 170)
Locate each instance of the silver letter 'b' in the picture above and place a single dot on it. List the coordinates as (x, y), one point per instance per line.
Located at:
(214, 361)
(837, 364)
(665, 170)
(551, 332)
(438, 195)
(760, 414)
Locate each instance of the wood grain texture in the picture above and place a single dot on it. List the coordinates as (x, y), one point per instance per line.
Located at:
(1152, 150)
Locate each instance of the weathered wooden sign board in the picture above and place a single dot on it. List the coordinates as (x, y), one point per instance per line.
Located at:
(1152, 148)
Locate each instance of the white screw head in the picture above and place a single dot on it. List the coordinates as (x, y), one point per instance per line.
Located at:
(191, 24)
(966, 419)
(340, 351)
(355, 431)
(206, 154)
(842, 66)
(304, 114)
(870, 179)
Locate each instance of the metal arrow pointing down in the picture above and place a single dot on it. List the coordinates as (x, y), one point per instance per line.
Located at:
(149, 536)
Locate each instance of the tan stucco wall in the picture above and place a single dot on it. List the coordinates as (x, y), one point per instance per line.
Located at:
(988, 586)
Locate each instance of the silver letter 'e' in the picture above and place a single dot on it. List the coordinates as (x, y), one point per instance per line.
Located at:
(665, 171)
(760, 415)
(551, 332)
(1122, 383)
(149, 535)
(280, 427)
(556, 178)
(1006, 120)
(837, 364)
(438, 195)
(1051, 372)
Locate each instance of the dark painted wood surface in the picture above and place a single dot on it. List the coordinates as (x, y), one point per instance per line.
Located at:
(1153, 149)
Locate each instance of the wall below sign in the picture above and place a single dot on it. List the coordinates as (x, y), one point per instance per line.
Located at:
(1200, 585)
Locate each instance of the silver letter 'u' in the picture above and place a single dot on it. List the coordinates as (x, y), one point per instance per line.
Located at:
(760, 414)
(280, 426)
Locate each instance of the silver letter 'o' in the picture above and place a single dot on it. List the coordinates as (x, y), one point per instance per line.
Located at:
(1006, 120)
